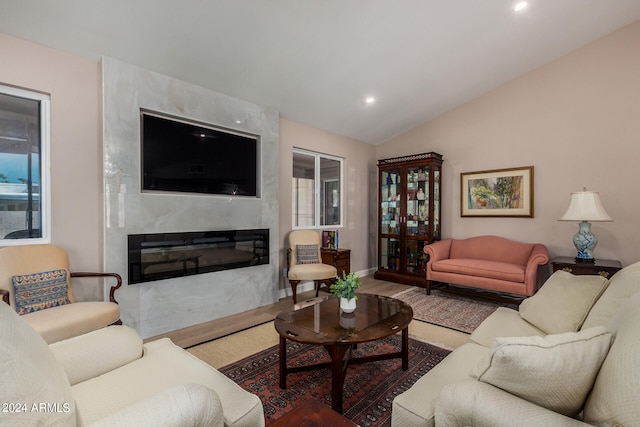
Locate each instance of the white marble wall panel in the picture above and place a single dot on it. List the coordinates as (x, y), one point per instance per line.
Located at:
(157, 307)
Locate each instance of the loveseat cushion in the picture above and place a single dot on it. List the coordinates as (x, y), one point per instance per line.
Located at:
(31, 377)
(481, 268)
(563, 303)
(70, 320)
(555, 371)
(97, 352)
(492, 248)
(616, 392)
(162, 366)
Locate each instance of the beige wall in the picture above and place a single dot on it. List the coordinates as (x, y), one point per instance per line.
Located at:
(76, 172)
(360, 195)
(576, 120)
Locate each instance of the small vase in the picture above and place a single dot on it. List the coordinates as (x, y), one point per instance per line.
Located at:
(347, 305)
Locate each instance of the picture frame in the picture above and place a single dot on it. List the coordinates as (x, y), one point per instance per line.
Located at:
(497, 193)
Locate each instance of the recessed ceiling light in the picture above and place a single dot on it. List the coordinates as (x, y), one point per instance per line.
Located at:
(520, 6)
(370, 100)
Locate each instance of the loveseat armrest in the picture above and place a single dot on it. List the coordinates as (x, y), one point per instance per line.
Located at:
(184, 405)
(113, 289)
(98, 352)
(438, 250)
(478, 404)
(539, 256)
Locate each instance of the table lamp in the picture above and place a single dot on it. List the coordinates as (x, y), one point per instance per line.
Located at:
(585, 206)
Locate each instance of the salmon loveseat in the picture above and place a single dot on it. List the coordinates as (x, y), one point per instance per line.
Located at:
(567, 357)
(487, 262)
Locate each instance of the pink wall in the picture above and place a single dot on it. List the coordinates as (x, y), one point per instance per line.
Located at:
(76, 173)
(576, 120)
(360, 198)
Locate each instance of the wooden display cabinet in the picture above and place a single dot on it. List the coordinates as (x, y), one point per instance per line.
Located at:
(409, 215)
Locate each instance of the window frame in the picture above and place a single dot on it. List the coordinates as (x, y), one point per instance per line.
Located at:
(45, 165)
(317, 190)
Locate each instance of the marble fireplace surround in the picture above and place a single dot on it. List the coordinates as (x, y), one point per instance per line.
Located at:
(165, 305)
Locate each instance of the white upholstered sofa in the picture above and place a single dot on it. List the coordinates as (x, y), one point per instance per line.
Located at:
(567, 357)
(109, 377)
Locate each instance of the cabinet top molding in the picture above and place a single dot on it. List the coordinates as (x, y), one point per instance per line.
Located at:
(423, 156)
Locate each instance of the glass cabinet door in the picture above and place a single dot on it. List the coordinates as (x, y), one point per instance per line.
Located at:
(417, 201)
(417, 208)
(390, 219)
(436, 204)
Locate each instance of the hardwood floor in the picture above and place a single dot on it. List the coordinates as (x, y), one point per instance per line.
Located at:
(203, 332)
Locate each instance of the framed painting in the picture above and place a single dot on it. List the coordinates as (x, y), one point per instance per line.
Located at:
(501, 192)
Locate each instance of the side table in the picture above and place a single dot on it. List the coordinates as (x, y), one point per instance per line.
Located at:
(603, 267)
(339, 258)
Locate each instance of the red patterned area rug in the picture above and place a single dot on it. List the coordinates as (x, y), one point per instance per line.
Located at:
(457, 312)
(369, 388)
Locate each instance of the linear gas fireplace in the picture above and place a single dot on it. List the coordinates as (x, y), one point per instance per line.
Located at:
(168, 255)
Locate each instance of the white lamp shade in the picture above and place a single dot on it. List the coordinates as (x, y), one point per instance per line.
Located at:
(585, 206)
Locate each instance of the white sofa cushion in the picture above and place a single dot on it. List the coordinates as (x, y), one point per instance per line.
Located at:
(556, 371)
(30, 377)
(615, 398)
(504, 322)
(624, 284)
(562, 304)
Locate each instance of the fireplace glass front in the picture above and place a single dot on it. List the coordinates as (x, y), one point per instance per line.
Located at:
(168, 255)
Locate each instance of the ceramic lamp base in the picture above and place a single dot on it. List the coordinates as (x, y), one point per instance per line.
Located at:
(585, 242)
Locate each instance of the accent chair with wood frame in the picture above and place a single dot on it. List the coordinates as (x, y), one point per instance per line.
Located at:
(304, 261)
(35, 281)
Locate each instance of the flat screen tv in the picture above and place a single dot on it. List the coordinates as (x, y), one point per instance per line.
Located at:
(179, 155)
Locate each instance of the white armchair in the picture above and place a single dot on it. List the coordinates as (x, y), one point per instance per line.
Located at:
(109, 378)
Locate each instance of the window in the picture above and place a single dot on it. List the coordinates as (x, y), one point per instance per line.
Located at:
(24, 165)
(317, 190)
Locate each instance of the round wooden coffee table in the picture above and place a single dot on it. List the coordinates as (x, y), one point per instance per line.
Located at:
(322, 323)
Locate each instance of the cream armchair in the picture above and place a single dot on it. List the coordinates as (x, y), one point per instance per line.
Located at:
(45, 300)
(305, 263)
(108, 377)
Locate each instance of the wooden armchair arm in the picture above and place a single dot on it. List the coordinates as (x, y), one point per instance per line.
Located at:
(5, 295)
(113, 288)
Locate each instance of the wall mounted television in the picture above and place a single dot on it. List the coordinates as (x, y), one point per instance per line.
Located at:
(179, 155)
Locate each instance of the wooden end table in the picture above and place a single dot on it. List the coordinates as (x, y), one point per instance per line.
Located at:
(322, 323)
(604, 267)
(340, 258)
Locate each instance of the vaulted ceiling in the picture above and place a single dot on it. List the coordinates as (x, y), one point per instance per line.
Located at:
(316, 61)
